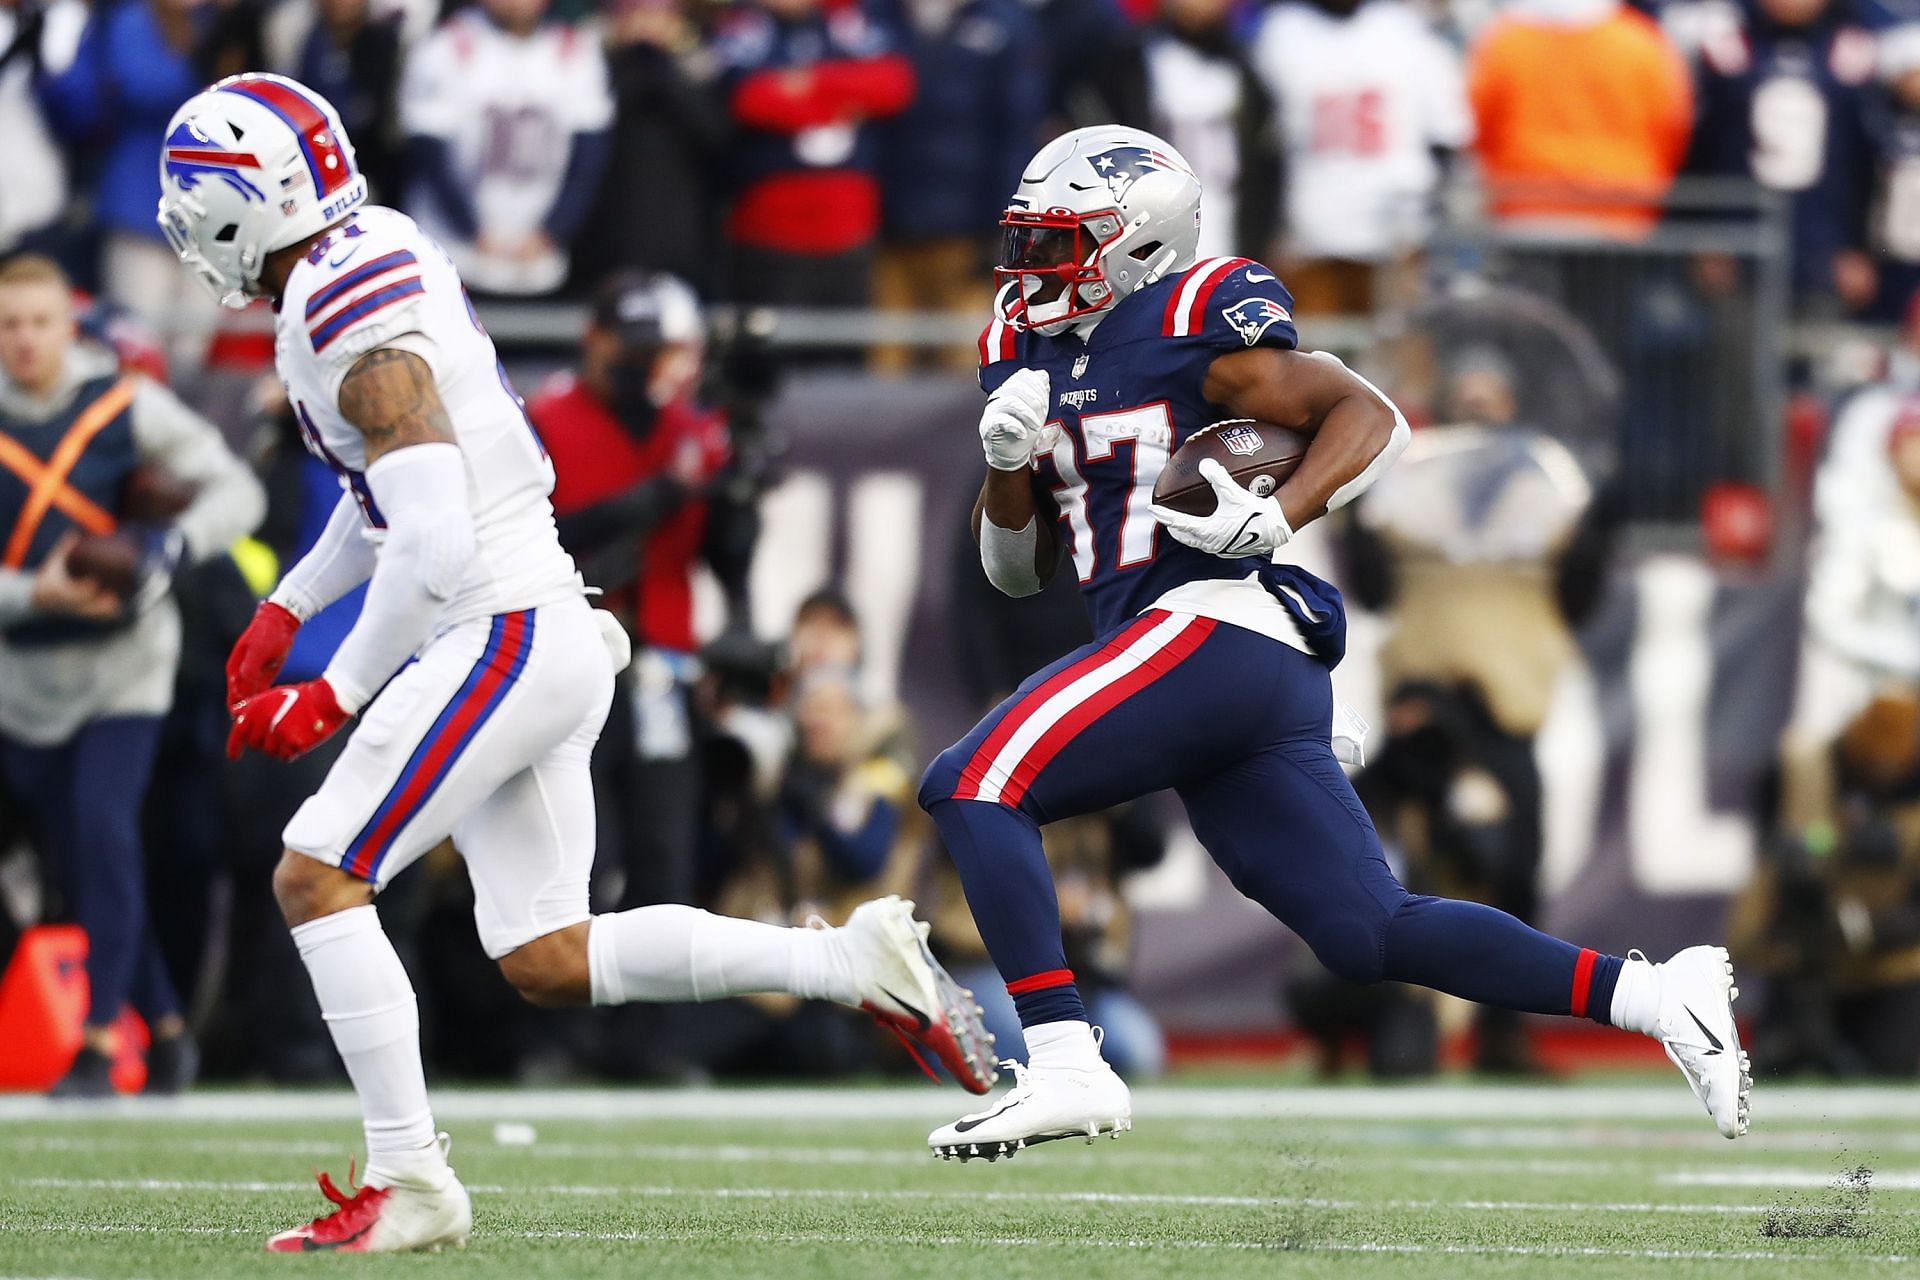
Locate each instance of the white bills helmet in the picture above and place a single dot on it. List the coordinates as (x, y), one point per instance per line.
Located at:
(1099, 213)
(252, 164)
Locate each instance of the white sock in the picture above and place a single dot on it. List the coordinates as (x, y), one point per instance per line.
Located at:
(1636, 998)
(368, 1004)
(1062, 1044)
(671, 953)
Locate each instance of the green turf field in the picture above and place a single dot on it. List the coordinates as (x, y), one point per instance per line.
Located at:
(1444, 1181)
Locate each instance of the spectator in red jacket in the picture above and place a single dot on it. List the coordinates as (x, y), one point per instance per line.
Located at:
(802, 84)
(633, 453)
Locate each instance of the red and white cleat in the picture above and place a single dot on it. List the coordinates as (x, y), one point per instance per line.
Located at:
(383, 1220)
(910, 994)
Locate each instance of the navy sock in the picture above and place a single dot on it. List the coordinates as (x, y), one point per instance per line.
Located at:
(1477, 953)
(1009, 888)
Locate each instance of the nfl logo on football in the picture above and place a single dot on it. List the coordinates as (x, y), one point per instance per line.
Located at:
(1244, 441)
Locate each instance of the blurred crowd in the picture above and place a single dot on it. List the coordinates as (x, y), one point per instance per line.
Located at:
(840, 153)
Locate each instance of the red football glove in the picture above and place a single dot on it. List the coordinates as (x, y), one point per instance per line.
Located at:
(287, 721)
(260, 651)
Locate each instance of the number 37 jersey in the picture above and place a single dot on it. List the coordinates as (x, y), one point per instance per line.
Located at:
(1124, 400)
(377, 281)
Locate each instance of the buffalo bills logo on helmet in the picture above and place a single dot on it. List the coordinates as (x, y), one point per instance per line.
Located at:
(191, 156)
(1251, 317)
(1241, 441)
(1121, 167)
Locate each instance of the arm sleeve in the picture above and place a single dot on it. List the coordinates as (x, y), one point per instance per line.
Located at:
(72, 100)
(586, 164)
(637, 511)
(432, 165)
(789, 100)
(340, 559)
(16, 596)
(430, 542)
(1447, 113)
(228, 501)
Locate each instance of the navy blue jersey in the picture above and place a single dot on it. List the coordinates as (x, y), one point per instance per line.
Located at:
(1124, 400)
(1786, 107)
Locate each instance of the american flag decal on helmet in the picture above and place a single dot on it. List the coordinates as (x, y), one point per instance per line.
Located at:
(1241, 440)
(191, 157)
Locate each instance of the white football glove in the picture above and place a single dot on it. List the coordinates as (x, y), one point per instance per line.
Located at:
(1014, 425)
(1240, 524)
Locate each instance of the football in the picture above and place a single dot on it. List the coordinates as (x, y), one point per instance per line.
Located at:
(152, 494)
(1256, 454)
(111, 559)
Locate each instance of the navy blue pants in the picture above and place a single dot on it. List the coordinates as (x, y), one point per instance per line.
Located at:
(1237, 725)
(84, 798)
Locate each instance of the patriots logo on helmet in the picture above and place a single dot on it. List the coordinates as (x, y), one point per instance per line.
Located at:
(191, 156)
(1251, 317)
(1121, 167)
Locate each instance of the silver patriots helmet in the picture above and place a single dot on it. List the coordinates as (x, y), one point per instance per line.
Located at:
(1099, 213)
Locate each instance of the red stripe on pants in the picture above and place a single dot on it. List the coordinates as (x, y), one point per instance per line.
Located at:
(1055, 740)
(976, 771)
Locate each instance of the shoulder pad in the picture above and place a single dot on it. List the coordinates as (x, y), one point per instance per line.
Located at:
(1230, 302)
(358, 281)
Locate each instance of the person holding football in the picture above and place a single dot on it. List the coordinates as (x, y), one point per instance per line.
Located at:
(1110, 348)
(107, 482)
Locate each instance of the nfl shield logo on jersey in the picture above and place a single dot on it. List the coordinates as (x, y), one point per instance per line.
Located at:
(1080, 366)
(1244, 441)
(1251, 317)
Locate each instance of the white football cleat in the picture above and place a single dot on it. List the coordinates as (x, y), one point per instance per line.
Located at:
(910, 994)
(1044, 1105)
(391, 1219)
(1696, 1029)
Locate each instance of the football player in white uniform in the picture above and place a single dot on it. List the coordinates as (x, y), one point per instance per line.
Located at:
(480, 673)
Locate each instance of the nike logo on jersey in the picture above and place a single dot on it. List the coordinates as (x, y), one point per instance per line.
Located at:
(1255, 275)
(343, 259)
(968, 1125)
(1712, 1039)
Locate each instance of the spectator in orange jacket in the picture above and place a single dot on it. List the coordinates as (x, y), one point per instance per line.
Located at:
(1583, 110)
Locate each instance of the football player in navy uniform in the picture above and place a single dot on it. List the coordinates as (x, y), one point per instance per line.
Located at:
(1210, 672)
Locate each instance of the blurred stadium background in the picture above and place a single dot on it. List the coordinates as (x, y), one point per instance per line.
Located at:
(1637, 624)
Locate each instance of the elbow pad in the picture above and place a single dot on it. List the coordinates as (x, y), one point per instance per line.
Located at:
(423, 490)
(1007, 556)
(1395, 446)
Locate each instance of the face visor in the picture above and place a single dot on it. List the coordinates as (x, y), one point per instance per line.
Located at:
(1054, 259)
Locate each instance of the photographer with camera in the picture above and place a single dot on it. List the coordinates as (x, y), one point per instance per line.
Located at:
(646, 489)
(108, 483)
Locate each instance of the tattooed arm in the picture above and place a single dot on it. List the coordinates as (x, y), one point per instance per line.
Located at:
(418, 479)
(390, 395)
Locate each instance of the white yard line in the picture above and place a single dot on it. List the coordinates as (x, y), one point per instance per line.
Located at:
(1422, 1102)
(1883, 1180)
(1055, 1242)
(994, 1197)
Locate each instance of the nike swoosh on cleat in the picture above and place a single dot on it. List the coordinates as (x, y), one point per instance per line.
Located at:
(920, 1019)
(968, 1126)
(1711, 1038)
